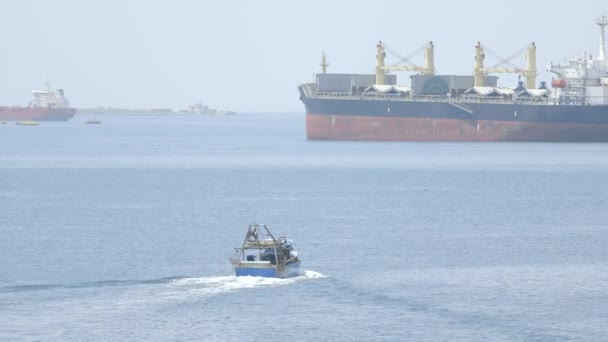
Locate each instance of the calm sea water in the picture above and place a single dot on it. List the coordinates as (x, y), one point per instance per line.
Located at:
(122, 231)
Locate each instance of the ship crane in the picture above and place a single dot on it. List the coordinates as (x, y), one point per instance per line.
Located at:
(505, 66)
(404, 63)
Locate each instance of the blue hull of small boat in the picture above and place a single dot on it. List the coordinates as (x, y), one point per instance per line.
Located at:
(292, 270)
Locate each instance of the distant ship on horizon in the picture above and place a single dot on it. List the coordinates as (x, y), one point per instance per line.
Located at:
(199, 108)
(47, 105)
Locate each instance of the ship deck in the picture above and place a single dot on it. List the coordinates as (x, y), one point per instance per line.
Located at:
(310, 92)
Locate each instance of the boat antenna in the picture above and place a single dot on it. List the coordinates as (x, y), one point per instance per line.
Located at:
(602, 22)
(324, 64)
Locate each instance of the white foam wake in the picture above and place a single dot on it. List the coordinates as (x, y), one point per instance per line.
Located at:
(220, 285)
(313, 275)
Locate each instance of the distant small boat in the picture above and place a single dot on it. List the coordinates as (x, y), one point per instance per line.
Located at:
(27, 123)
(261, 255)
(92, 122)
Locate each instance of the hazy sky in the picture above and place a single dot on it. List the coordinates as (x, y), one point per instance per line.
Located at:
(249, 55)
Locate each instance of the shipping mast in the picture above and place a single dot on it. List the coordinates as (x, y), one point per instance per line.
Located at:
(602, 22)
(324, 63)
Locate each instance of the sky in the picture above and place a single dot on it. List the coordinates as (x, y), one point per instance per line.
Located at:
(249, 56)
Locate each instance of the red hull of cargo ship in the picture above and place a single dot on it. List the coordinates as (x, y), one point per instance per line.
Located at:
(36, 114)
(364, 128)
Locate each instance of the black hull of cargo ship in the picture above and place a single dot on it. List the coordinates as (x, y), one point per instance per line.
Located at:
(424, 120)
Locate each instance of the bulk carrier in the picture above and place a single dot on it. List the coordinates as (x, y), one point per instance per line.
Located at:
(462, 108)
(47, 105)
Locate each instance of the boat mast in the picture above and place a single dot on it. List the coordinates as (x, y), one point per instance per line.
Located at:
(602, 22)
(324, 63)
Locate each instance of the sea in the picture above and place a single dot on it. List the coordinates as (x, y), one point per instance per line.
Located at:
(123, 232)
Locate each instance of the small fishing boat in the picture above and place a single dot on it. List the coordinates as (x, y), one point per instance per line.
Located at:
(93, 122)
(263, 255)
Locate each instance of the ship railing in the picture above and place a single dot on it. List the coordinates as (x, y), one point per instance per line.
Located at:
(501, 100)
(310, 89)
(385, 96)
(433, 98)
(334, 94)
(372, 96)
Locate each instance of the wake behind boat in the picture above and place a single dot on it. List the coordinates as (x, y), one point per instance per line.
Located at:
(262, 255)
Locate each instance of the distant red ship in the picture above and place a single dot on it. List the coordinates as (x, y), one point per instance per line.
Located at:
(47, 105)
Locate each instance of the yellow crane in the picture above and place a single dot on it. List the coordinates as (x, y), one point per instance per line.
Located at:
(504, 65)
(404, 63)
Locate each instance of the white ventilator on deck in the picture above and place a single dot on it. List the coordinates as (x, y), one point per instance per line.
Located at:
(602, 22)
(505, 66)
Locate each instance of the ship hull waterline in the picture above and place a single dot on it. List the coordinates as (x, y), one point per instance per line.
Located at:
(378, 128)
(36, 114)
(252, 270)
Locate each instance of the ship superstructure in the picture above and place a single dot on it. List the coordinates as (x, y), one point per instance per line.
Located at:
(49, 98)
(460, 107)
(583, 80)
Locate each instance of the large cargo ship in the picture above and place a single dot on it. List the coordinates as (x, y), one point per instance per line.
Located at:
(47, 105)
(462, 108)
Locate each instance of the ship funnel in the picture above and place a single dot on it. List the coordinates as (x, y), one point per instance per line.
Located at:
(380, 56)
(478, 71)
(429, 59)
(531, 70)
(602, 22)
